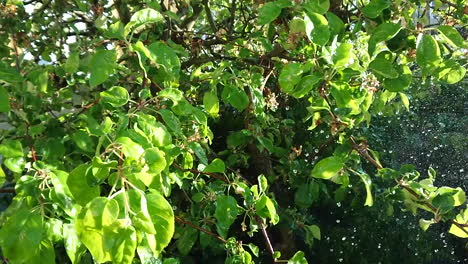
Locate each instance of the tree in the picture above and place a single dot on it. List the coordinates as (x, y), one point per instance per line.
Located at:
(159, 132)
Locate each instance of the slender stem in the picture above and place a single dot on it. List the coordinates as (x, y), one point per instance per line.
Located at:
(267, 238)
(209, 16)
(183, 221)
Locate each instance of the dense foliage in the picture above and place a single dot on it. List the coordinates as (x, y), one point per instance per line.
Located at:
(222, 131)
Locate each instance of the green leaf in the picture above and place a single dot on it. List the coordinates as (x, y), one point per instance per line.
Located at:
(368, 183)
(444, 202)
(327, 168)
(317, 6)
(187, 240)
(235, 96)
(461, 218)
(171, 120)
(375, 8)
(342, 55)
(291, 75)
(122, 244)
(163, 219)
(94, 226)
(155, 160)
(405, 101)
(424, 224)
(266, 209)
(225, 214)
(307, 83)
(20, 235)
(451, 35)
(337, 26)
(400, 83)
(15, 164)
(175, 95)
(129, 148)
(102, 66)
(383, 67)
(314, 230)
(4, 100)
(262, 183)
(83, 140)
(317, 29)
(306, 194)
(298, 258)
(450, 72)
(255, 250)
(199, 152)
(79, 187)
(116, 31)
(116, 96)
(166, 60)
(383, 32)
(72, 63)
(211, 103)
(11, 148)
(2, 177)
(75, 249)
(343, 96)
(9, 74)
(268, 12)
(156, 131)
(216, 166)
(143, 17)
(427, 53)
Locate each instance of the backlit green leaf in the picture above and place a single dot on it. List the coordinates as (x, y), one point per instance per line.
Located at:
(451, 34)
(11, 148)
(327, 168)
(342, 55)
(368, 183)
(298, 258)
(115, 96)
(211, 103)
(94, 226)
(155, 160)
(216, 166)
(142, 17)
(317, 28)
(163, 219)
(267, 13)
(79, 187)
(20, 235)
(317, 6)
(427, 53)
(457, 230)
(291, 75)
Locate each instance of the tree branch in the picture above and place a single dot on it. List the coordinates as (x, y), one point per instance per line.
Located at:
(209, 16)
(183, 221)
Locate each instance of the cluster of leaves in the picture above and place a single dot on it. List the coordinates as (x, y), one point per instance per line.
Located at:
(125, 118)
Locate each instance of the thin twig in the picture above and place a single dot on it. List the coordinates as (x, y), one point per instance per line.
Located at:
(181, 220)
